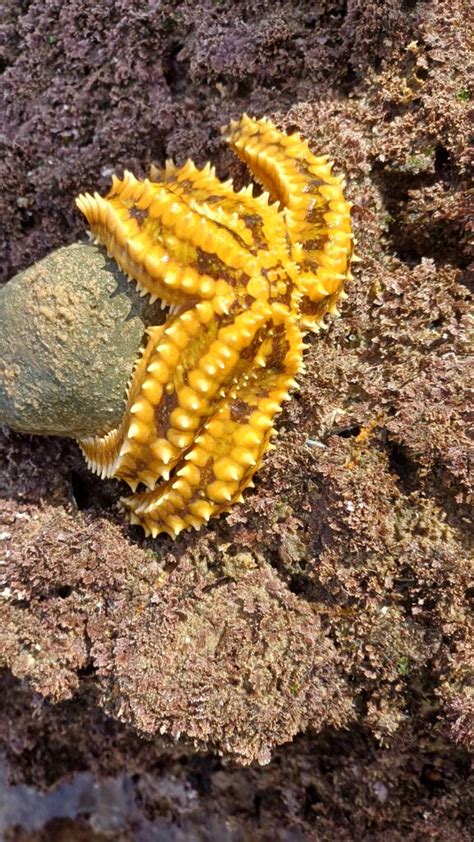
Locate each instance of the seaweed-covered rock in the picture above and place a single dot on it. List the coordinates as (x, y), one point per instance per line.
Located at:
(357, 532)
(246, 659)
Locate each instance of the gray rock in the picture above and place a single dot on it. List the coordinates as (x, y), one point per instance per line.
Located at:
(70, 330)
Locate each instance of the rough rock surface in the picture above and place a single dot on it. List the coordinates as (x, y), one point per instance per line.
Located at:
(357, 535)
(71, 327)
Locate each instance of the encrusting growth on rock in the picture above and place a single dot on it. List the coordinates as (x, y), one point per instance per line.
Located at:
(243, 278)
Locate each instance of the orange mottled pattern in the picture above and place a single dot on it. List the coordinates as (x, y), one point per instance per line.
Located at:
(243, 278)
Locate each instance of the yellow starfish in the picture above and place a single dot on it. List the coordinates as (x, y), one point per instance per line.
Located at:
(244, 277)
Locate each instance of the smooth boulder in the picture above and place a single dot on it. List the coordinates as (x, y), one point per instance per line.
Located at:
(71, 327)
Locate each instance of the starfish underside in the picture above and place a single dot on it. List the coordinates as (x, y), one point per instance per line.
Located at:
(244, 277)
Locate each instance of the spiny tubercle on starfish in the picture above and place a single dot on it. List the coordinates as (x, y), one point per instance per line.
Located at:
(244, 277)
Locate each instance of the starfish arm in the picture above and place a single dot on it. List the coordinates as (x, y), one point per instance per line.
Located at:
(157, 239)
(316, 213)
(176, 245)
(254, 222)
(211, 474)
(185, 369)
(102, 452)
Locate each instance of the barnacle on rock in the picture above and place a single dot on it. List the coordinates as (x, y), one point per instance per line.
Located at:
(244, 277)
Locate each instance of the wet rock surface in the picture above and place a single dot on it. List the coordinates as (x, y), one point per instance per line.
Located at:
(335, 600)
(70, 330)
